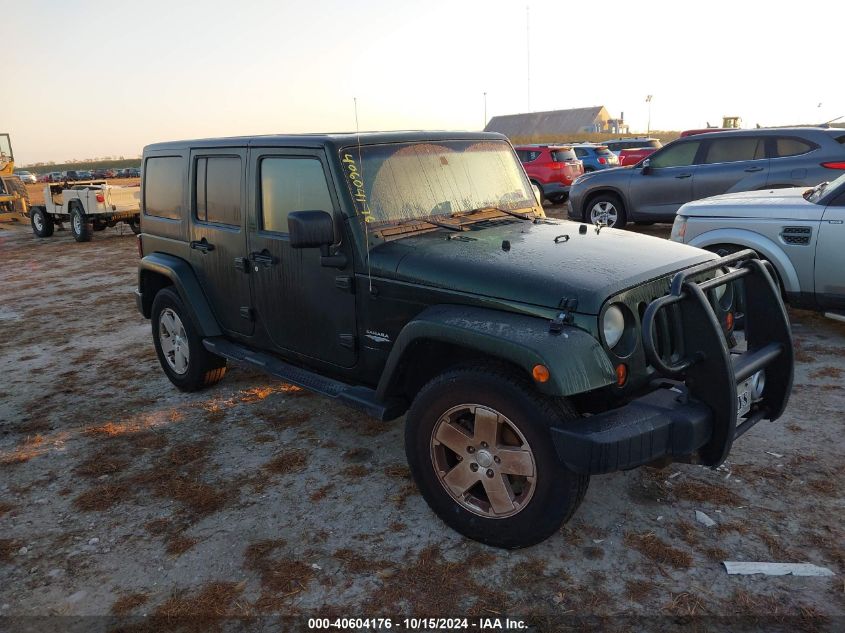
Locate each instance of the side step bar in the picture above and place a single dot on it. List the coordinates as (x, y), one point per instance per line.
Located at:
(358, 397)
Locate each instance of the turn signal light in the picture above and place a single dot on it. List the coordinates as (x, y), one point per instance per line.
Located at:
(729, 320)
(621, 374)
(540, 373)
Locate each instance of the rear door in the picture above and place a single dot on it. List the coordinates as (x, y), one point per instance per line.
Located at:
(660, 191)
(830, 257)
(737, 163)
(305, 308)
(218, 236)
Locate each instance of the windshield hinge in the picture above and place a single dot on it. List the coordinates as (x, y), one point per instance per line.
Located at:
(567, 307)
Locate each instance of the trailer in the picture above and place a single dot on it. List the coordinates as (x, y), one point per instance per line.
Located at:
(88, 206)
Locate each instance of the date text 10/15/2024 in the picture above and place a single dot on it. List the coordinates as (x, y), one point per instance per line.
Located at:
(415, 624)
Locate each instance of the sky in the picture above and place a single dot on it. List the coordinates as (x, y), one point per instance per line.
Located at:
(94, 78)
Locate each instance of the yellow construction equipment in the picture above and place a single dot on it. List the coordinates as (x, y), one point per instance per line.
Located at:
(14, 198)
(731, 122)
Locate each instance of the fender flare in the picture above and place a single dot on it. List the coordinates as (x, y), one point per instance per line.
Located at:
(763, 245)
(185, 281)
(576, 361)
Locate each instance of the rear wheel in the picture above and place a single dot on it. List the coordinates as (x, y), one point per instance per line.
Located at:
(80, 226)
(135, 225)
(607, 209)
(179, 346)
(478, 444)
(42, 223)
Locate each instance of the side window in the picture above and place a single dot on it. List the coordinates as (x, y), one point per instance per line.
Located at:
(163, 187)
(730, 150)
(291, 184)
(217, 190)
(676, 155)
(580, 152)
(786, 146)
(522, 155)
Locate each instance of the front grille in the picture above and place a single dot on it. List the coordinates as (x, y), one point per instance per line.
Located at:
(796, 235)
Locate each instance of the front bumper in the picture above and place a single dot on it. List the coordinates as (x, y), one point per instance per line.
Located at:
(692, 414)
(663, 423)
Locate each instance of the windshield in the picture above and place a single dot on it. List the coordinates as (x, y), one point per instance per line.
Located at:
(5, 150)
(424, 181)
(814, 195)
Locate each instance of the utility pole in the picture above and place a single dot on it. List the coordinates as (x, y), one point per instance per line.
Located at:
(648, 101)
(528, 53)
(485, 111)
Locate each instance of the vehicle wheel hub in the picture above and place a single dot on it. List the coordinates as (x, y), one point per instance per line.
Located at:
(483, 461)
(36, 220)
(173, 341)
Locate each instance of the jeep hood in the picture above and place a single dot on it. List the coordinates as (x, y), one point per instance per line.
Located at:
(767, 203)
(521, 262)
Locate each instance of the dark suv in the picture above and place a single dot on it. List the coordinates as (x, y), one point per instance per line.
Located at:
(412, 273)
(705, 165)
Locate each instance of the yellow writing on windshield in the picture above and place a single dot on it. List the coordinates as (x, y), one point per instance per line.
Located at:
(357, 182)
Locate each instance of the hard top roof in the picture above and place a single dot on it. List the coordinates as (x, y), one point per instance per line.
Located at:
(334, 140)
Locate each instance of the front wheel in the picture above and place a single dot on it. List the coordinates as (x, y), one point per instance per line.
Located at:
(42, 223)
(478, 444)
(80, 226)
(179, 346)
(607, 209)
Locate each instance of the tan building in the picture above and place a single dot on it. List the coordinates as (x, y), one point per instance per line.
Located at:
(588, 120)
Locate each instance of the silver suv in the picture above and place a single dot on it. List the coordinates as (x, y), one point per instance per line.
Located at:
(705, 165)
(800, 231)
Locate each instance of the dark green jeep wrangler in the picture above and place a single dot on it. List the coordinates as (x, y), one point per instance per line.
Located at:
(416, 274)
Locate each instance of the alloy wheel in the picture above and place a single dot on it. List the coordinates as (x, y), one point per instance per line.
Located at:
(173, 340)
(604, 212)
(483, 461)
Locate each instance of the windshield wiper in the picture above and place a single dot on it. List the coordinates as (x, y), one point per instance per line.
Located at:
(516, 214)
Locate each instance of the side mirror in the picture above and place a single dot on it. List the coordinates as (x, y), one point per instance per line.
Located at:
(315, 229)
(646, 165)
(310, 229)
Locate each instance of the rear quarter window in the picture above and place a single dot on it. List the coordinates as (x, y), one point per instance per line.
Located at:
(789, 146)
(562, 155)
(164, 187)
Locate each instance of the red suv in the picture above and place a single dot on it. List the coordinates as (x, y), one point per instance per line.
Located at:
(551, 167)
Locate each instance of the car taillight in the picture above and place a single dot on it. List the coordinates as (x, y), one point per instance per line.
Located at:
(140, 247)
(101, 197)
(839, 164)
(555, 165)
(602, 161)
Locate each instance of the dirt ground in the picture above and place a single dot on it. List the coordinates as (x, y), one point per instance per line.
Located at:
(121, 496)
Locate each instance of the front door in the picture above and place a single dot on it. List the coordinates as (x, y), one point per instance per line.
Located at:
(667, 184)
(830, 257)
(218, 236)
(305, 307)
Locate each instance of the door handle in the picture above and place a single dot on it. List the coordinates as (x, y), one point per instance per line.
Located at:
(751, 169)
(202, 245)
(683, 176)
(264, 258)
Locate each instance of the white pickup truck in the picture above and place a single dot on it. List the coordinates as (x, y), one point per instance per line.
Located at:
(88, 206)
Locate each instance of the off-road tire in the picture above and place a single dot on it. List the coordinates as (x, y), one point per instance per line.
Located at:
(204, 368)
(42, 223)
(558, 491)
(80, 226)
(613, 199)
(135, 226)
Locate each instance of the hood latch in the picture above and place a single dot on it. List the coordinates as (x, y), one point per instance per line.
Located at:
(567, 306)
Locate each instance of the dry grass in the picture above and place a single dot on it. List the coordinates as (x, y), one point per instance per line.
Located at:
(401, 498)
(688, 532)
(732, 526)
(8, 547)
(827, 372)
(281, 577)
(202, 611)
(700, 492)
(103, 463)
(355, 563)
(640, 589)
(32, 446)
(128, 602)
(257, 554)
(288, 462)
(103, 497)
(355, 471)
(157, 527)
(321, 492)
(684, 604)
(824, 486)
(5, 507)
(179, 544)
(398, 471)
(653, 548)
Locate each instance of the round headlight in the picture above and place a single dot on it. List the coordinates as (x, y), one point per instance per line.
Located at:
(613, 325)
(720, 290)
